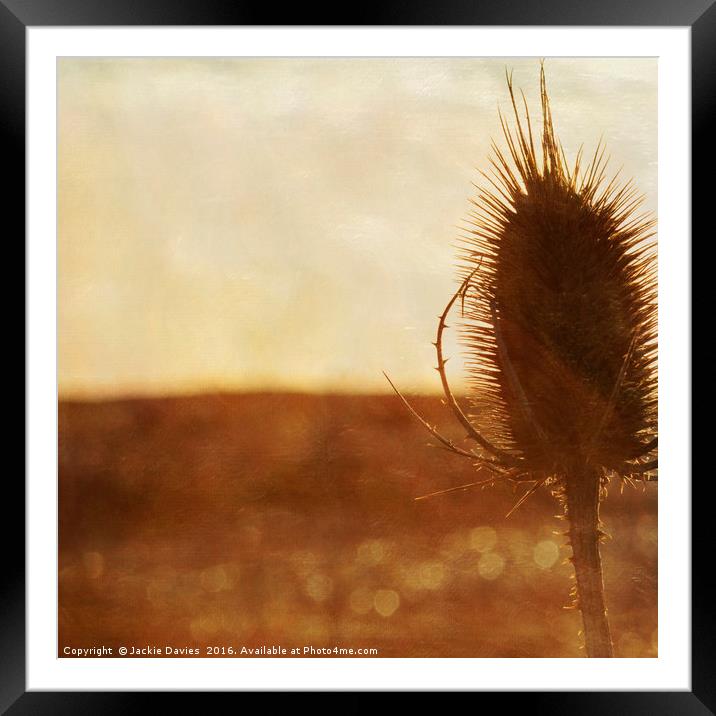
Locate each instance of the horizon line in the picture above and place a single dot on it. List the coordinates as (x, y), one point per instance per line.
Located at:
(93, 396)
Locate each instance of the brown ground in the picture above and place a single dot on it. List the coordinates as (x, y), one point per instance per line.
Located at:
(249, 520)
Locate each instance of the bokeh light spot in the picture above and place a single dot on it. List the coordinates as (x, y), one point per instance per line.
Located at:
(371, 552)
(431, 575)
(491, 566)
(205, 626)
(214, 579)
(386, 601)
(483, 539)
(361, 600)
(546, 554)
(319, 587)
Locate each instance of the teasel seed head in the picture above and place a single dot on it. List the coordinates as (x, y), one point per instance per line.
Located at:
(560, 314)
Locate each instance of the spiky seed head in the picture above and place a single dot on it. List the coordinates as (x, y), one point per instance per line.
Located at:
(560, 324)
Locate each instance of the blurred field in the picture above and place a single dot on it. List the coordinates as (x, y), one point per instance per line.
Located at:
(252, 520)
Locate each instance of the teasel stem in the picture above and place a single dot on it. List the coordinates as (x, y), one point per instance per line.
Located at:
(582, 494)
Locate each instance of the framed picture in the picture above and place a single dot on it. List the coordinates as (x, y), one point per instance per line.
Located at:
(248, 246)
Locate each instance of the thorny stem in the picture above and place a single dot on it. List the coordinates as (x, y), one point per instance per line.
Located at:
(582, 501)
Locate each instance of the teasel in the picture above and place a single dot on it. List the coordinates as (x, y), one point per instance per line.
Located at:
(559, 321)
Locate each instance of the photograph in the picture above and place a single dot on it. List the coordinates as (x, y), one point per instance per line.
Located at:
(357, 357)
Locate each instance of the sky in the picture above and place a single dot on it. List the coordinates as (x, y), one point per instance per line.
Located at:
(291, 224)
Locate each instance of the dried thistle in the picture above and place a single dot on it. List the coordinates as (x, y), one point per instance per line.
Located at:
(558, 301)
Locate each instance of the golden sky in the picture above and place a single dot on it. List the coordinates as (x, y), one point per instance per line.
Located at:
(289, 224)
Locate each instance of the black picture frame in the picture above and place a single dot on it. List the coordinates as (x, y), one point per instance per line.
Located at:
(17, 15)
